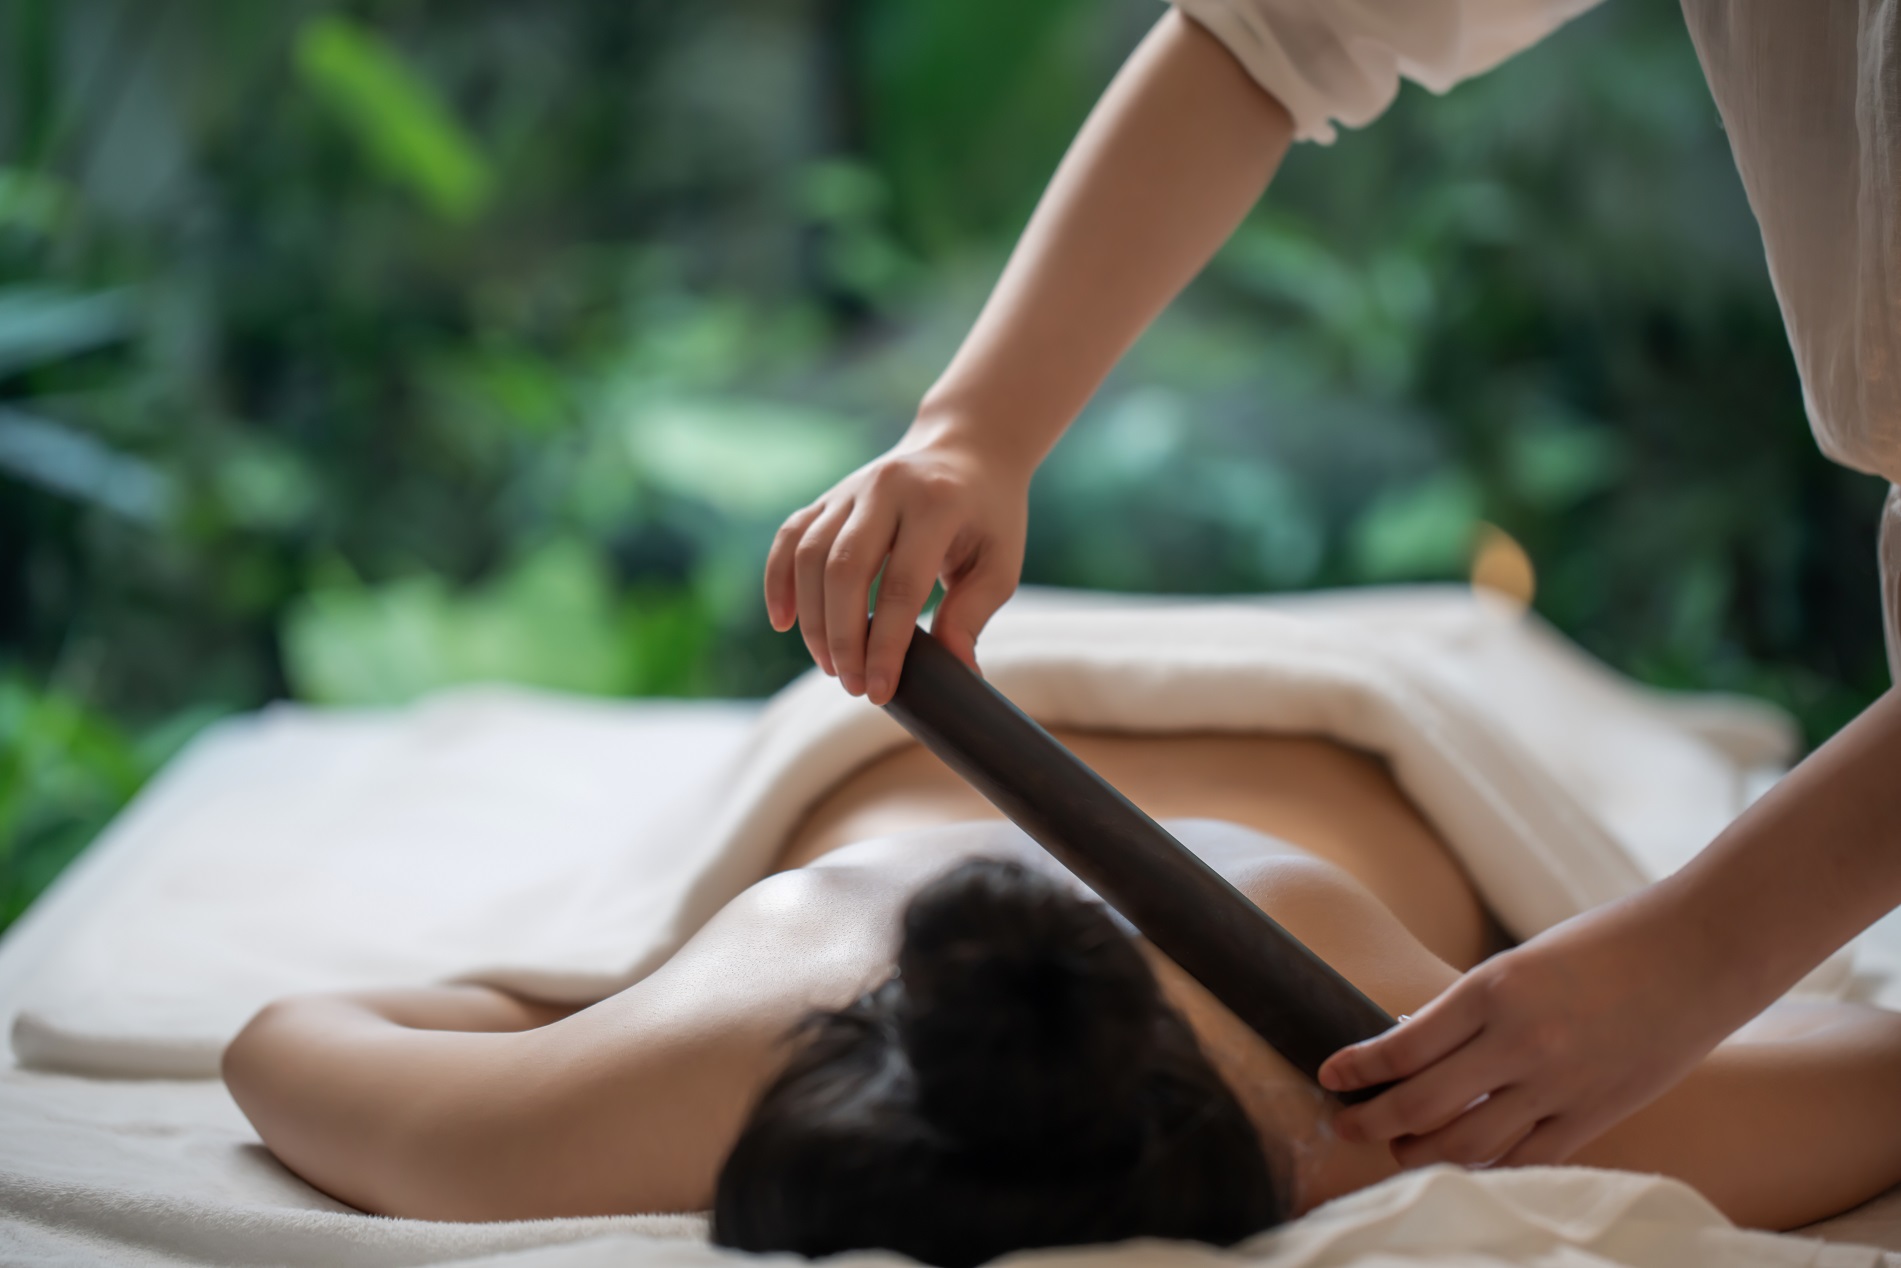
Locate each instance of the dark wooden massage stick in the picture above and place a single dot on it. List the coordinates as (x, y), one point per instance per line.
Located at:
(1264, 975)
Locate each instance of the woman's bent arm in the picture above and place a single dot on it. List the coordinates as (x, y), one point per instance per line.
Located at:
(352, 1091)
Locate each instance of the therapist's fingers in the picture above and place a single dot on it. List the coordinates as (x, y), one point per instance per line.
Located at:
(909, 574)
(782, 582)
(1425, 1102)
(857, 553)
(1550, 1143)
(969, 602)
(1485, 1132)
(808, 559)
(1442, 1027)
(980, 574)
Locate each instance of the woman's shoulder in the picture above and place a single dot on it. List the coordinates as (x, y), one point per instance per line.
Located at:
(1322, 904)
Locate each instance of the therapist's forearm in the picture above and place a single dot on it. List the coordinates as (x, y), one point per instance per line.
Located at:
(1169, 162)
(1811, 864)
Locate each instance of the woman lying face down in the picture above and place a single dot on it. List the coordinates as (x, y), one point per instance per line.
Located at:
(921, 1034)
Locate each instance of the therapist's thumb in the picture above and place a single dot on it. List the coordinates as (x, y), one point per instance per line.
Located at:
(1406, 1049)
(968, 604)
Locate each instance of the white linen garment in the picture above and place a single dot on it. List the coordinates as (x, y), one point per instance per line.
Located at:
(1810, 92)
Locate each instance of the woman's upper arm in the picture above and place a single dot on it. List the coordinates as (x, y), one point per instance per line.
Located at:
(360, 1106)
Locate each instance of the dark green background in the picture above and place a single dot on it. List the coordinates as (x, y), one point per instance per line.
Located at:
(349, 350)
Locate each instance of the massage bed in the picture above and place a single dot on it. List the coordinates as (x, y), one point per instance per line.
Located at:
(565, 846)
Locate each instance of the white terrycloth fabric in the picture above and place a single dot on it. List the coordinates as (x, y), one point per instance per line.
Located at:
(301, 850)
(1558, 785)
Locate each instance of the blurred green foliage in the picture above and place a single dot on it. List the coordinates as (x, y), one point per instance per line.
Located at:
(349, 350)
(394, 116)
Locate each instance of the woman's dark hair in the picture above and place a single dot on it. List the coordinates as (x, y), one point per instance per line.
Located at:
(1019, 1082)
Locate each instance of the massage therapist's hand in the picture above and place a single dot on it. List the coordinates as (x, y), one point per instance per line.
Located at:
(1562, 1037)
(937, 507)
(1597, 1016)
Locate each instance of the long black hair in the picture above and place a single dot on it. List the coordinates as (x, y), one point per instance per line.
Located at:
(1019, 1082)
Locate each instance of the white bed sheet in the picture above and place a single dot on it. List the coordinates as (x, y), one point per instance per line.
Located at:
(167, 1171)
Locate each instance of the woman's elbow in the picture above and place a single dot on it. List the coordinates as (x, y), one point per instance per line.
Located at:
(280, 1070)
(354, 1104)
(246, 1064)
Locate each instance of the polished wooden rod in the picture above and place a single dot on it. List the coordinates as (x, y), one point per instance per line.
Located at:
(1264, 975)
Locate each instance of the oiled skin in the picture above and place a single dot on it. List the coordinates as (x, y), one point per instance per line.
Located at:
(464, 1103)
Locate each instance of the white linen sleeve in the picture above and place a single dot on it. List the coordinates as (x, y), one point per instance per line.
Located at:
(1342, 60)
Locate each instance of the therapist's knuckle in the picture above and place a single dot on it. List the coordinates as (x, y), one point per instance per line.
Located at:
(899, 590)
(1543, 1041)
(811, 553)
(1496, 980)
(935, 487)
(884, 478)
(790, 531)
(843, 562)
(883, 469)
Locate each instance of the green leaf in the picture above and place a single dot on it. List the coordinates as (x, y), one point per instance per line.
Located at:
(1558, 464)
(73, 464)
(43, 324)
(1423, 530)
(395, 115)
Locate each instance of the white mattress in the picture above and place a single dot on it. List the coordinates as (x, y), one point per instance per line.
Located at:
(167, 1170)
